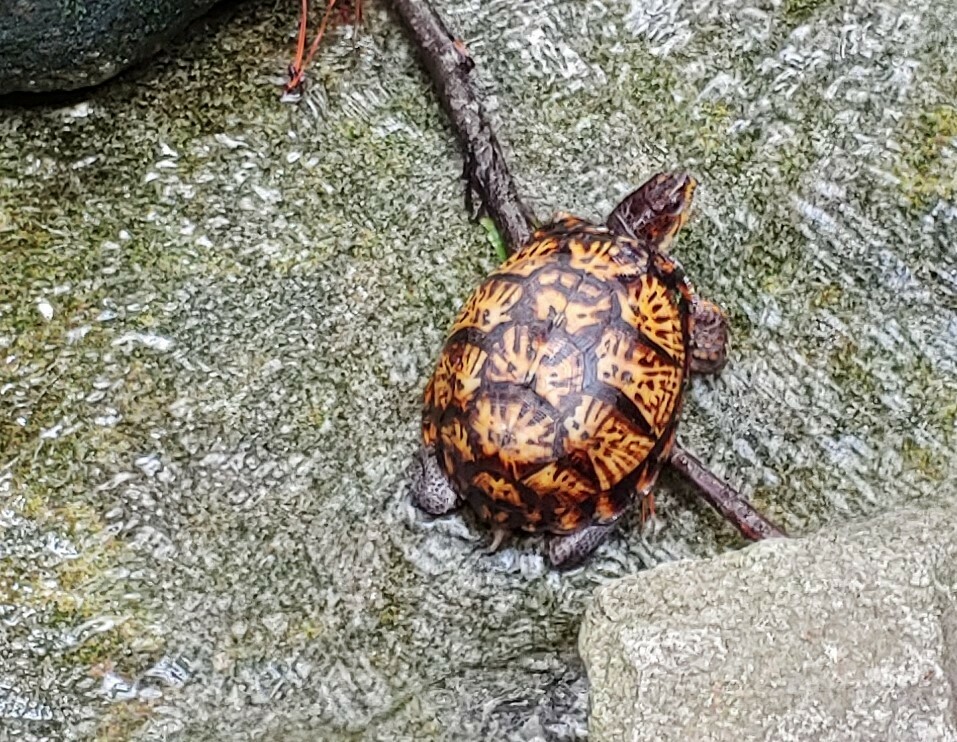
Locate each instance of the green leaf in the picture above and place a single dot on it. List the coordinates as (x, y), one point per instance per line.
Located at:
(494, 237)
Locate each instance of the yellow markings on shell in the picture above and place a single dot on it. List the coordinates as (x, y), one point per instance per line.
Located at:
(567, 301)
(488, 307)
(614, 446)
(566, 281)
(429, 432)
(550, 367)
(457, 378)
(649, 476)
(601, 258)
(449, 463)
(499, 488)
(560, 376)
(429, 409)
(516, 432)
(651, 383)
(538, 248)
(516, 356)
(455, 437)
(549, 303)
(458, 375)
(561, 483)
(648, 305)
(529, 259)
(441, 384)
(605, 509)
(466, 372)
(523, 267)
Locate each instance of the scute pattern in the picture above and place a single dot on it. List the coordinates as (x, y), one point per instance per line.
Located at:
(531, 258)
(455, 440)
(514, 429)
(648, 306)
(570, 300)
(489, 306)
(559, 388)
(551, 367)
(614, 446)
(649, 380)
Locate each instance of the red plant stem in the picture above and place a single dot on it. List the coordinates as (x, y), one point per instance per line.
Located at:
(301, 41)
(301, 64)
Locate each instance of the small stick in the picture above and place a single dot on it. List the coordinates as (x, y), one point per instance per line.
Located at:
(449, 65)
(723, 497)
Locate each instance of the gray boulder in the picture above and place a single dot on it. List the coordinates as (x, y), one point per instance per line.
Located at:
(48, 45)
(850, 634)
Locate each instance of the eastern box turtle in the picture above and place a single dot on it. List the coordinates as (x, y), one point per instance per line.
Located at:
(557, 394)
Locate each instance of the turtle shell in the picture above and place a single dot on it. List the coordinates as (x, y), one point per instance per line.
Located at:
(557, 393)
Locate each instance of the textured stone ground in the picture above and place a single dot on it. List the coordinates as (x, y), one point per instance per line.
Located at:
(217, 314)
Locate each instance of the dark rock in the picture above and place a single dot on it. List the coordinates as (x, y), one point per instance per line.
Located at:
(48, 45)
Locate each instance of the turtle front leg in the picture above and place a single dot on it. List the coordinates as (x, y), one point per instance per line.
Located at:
(568, 551)
(709, 337)
(430, 489)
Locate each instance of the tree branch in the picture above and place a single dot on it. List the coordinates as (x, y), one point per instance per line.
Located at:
(449, 64)
(723, 497)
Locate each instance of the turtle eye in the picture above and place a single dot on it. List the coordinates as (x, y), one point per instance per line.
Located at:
(677, 202)
(680, 191)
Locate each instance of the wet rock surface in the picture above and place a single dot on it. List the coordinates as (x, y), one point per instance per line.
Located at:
(850, 634)
(217, 314)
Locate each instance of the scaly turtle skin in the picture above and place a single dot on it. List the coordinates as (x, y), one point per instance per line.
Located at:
(557, 395)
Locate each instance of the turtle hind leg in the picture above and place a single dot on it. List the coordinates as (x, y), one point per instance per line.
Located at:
(569, 551)
(430, 489)
(709, 337)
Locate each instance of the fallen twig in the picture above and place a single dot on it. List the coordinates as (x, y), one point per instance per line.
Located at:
(723, 497)
(450, 65)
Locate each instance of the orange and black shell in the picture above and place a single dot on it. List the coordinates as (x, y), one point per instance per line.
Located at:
(557, 394)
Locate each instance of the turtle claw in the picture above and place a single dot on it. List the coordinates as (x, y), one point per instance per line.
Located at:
(569, 551)
(647, 507)
(498, 538)
(430, 490)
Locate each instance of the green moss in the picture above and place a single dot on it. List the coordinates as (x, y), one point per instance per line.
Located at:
(925, 174)
(122, 720)
(828, 296)
(66, 592)
(305, 628)
(797, 12)
(924, 461)
(849, 369)
(709, 140)
(947, 419)
(390, 615)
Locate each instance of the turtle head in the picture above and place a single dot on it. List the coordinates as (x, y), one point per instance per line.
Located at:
(655, 211)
